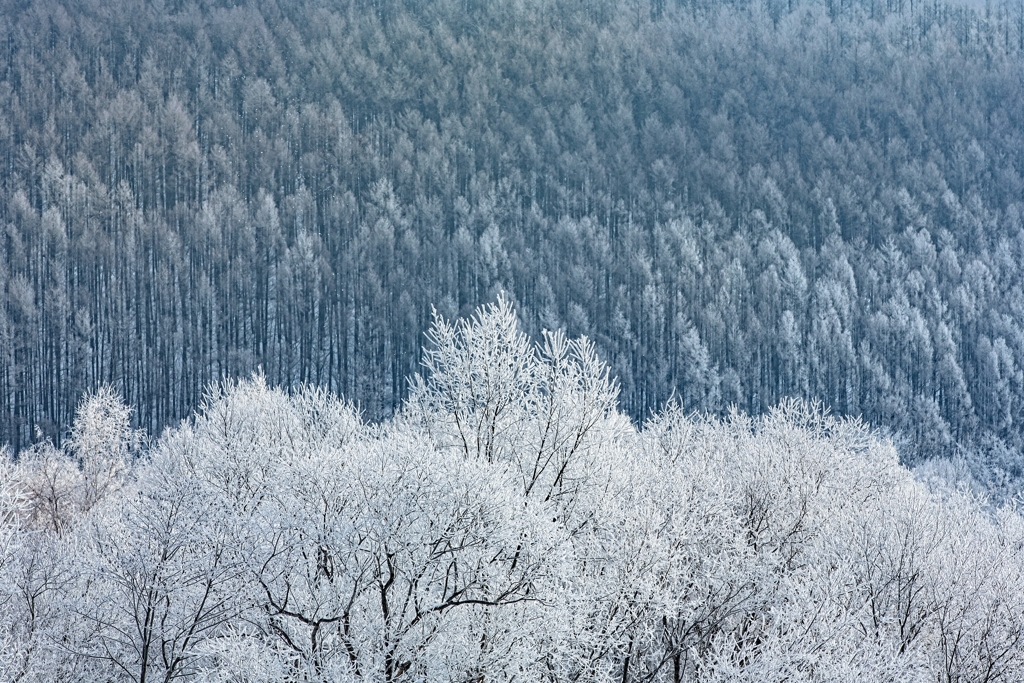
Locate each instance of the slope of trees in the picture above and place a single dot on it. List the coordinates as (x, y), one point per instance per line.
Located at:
(509, 523)
(737, 202)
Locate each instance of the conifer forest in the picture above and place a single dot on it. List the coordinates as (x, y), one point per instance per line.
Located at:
(534, 340)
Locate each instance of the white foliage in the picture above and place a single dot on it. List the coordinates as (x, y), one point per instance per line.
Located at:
(508, 524)
(62, 484)
(102, 442)
(13, 507)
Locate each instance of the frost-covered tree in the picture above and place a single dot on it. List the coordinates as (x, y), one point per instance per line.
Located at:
(508, 523)
(736, 202)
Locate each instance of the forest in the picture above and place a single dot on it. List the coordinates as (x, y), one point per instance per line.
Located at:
(557, 341)
(507, 523)
(738, 202)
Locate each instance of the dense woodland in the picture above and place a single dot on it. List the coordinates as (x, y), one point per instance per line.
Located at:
(738, 202)
(509, 523)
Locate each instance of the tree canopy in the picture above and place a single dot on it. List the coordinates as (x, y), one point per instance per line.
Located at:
(508, 523)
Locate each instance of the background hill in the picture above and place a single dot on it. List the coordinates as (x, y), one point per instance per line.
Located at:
(738, 202)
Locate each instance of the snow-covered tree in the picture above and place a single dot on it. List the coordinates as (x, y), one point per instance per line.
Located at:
(508, 523)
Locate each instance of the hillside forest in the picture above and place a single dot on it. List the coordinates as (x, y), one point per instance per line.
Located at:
(738, 202)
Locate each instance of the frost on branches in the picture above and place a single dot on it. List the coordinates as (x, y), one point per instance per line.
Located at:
(508, 524)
